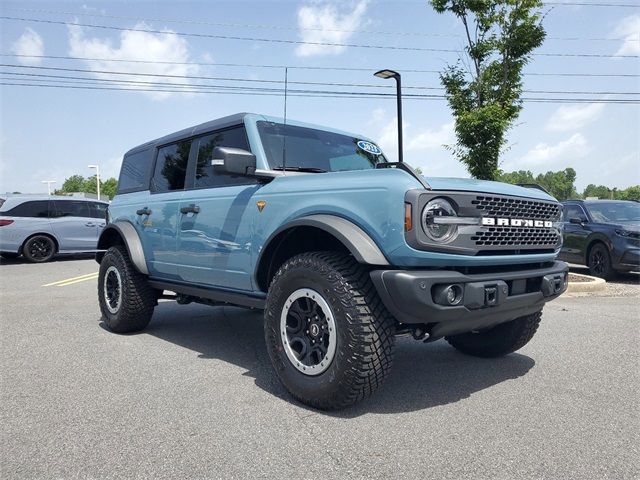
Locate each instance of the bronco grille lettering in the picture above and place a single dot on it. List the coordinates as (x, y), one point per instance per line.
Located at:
(515, 222)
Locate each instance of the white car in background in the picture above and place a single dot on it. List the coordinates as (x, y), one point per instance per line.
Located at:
(41, 227)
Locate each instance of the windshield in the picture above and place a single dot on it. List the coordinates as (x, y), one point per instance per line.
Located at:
(316, 150)
(612, 212)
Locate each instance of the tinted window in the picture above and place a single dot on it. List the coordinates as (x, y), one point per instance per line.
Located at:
(612, 212)
(36, 208)
(134, 174)
(99, 210)
(206, 176)
(171, 167)
(573, 211)
(72, 208)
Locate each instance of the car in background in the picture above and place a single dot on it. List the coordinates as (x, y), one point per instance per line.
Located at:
(603, 235)
(38, 228)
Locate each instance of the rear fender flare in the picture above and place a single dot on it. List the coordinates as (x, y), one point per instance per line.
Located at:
(131, 240)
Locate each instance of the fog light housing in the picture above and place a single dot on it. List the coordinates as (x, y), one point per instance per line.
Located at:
(448, 295)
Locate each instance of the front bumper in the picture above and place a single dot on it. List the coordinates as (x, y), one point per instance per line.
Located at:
(629, 260)
(488, 299)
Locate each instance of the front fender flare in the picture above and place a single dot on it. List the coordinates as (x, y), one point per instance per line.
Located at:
(127, 232)
(357, 241)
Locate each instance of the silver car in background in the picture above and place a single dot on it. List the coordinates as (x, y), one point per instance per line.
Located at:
(40, 227)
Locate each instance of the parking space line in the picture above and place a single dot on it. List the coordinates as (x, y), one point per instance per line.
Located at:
(72, 280)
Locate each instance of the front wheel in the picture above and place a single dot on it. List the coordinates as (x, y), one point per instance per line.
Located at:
(599, 262)
(329, 337)
(500, 340)
(126, 299)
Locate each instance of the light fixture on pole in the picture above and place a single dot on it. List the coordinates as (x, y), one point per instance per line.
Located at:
(392, 74)
(97, 167)
(48, 182)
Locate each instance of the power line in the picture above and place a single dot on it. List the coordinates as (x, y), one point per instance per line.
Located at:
(295, 42)
(286, 27)
(297, 67)
(246, 80)
(585, 4)
(299, 92)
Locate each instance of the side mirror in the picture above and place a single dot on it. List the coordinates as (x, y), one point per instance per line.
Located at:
(234, 161)
(577, 221)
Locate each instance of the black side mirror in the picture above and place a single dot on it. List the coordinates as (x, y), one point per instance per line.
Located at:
(577, 221)
(234, 161)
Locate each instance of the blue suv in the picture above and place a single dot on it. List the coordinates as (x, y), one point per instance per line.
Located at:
(342, 249)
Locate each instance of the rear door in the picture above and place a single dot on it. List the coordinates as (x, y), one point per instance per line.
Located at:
(158, 217)
(216, 217)
(74, 225)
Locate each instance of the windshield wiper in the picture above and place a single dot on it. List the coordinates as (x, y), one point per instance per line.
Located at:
(301, 169)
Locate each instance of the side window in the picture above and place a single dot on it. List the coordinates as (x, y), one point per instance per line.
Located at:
(34, 209)
(134, 173)
(573, 211)
(99, 210)
(171, 167)
(72, 208)
(206, 176)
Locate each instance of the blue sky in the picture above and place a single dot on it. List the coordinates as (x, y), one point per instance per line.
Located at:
(52, 133)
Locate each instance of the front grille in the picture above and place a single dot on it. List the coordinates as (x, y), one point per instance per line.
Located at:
(539, 238)
(517, 208)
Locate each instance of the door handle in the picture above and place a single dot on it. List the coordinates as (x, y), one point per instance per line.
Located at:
(89, 224)
(144, 211)
(190, 209)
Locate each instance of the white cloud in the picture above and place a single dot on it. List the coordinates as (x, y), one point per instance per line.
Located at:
(136, 46)
(576, 146)
(430, 139)
(629, 30)
(323, 23)
(574, 117)
(29, 43)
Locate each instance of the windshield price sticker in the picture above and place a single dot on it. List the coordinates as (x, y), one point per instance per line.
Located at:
(369, 147)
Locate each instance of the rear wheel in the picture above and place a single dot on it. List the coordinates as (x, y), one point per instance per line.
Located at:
(39, 249)
(125, 297)
(599, 262)
(329, 337)
(500, 340)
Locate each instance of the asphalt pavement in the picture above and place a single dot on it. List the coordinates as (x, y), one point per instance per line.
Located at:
(194, 396)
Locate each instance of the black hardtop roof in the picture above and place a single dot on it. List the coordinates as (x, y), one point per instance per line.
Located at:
(223, 122)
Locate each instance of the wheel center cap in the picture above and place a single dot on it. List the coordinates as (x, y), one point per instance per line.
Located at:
(314, 330)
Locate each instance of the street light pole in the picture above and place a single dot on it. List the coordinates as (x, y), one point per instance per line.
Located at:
(395, 75)
(97, 167)
(48, 182)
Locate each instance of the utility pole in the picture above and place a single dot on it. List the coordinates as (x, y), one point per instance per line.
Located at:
(97, 167)
(48, 182)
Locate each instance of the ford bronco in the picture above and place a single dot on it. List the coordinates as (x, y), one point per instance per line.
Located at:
(342, 249)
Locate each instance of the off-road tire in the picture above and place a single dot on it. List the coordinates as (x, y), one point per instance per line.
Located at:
(32, 249)
(364, 330)
(500, 340)
(599, 262)
(138, 298)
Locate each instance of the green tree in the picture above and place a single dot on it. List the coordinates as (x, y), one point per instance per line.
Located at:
(559, 184)
(109, 187)
(486, 98)
(75, 183)
(90, 185)
(521, 176)
(598, 191)
(631, 193)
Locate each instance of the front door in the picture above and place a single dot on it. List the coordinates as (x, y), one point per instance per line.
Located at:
(74, 225)
(575, 235)
(216, 218)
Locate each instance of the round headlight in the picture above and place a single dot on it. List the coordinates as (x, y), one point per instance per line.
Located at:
(439, 232)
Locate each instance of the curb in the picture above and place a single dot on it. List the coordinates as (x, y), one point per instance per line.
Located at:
(594, 285)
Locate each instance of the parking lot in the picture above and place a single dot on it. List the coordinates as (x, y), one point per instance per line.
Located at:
(195, 395)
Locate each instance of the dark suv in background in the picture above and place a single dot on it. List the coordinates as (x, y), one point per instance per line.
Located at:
(603, 235)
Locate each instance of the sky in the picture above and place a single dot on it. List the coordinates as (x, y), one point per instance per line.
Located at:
(52, 133)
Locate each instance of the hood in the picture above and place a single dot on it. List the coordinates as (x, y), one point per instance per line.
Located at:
(484, 186)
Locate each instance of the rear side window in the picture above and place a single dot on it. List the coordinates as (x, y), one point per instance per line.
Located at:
(33, 209)
(99, 210)
(134, 174)
(72, 208)
(171, 167)
(206, 176)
